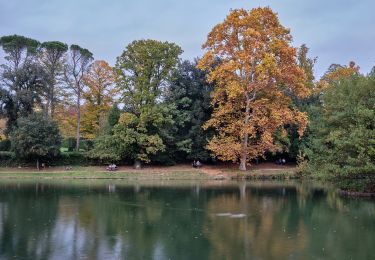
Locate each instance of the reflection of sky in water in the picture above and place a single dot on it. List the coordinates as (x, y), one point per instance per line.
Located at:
(198, 221)
(72, 241)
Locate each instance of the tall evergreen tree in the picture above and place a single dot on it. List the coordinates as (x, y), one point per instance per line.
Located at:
(22, 79)
(51, 57)
(190, 95)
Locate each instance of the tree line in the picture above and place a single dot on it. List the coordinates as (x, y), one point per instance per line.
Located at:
(250, 96)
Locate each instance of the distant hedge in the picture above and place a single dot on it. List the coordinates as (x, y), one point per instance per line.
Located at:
(70, 144)
(6, 158)
(5, 145)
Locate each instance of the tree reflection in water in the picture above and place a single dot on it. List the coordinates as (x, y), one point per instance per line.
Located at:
(266, 220)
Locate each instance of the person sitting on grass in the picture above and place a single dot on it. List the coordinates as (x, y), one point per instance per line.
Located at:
(283, 161)
(194, 164)
(112, 167)
(197, 164)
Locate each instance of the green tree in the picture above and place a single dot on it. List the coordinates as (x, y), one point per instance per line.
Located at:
(22, 79)
(143, 72)
(342, 140)
(113, 116)
(293, 142)
(51, 57)
(190, 95)
(106, 147)
(35, 137)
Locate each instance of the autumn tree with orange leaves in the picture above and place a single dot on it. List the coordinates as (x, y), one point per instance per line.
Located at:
(337, 72)
(99, 97)
(255, 74)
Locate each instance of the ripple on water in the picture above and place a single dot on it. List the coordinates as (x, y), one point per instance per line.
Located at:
(230, 215)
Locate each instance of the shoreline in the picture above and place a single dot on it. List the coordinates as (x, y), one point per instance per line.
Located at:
(263, 172)
(355, 194)
(209, 172)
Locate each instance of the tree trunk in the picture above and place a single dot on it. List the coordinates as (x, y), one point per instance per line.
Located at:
(52, 102)
(243, 163)
(243, 158)
(37, 163)
(78, 121)
(47, 107)
(52, 109)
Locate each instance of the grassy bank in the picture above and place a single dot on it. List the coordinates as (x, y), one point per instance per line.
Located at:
(90, 173)
(178, 172)
(354, 185)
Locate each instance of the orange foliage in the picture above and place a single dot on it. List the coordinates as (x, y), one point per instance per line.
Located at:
(99, 97)
(335, 73)
(2, 128)
(250, 59)
(66, 117)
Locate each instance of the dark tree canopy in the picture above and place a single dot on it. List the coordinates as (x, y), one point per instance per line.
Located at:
(35, 137)
(52, 58)
(22, 78)
(55, 47)
(293, 142)
(190, 95)
(113, 116)
(15, 46)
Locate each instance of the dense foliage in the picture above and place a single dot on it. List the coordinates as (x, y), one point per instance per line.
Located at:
(190, 95)
(252, 95)
(22, 79)
(257, 68)
(143, 73)
(342, 140)
(35, 137)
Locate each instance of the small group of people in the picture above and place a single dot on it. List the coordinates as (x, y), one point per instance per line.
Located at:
(197, 164)
(281, 161)
(112, 167)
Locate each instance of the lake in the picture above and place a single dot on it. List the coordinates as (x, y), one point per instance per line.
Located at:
(182, 220)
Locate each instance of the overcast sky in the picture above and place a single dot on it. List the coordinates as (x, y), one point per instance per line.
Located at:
(337, 31)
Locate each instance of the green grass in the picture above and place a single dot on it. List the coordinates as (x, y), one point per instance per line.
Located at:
(86, 173)
(260, 174)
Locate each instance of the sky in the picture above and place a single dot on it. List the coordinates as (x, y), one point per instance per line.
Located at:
(336, 31)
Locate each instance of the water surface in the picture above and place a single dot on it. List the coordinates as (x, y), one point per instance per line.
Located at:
(184, 220)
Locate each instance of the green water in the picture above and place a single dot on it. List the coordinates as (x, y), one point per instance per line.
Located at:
(214, 220)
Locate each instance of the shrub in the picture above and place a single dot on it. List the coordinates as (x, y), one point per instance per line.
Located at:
(6, 158)
(35, 137)
(69, 143)
(5, 145)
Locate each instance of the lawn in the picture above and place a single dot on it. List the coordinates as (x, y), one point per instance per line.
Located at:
(178, 172)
